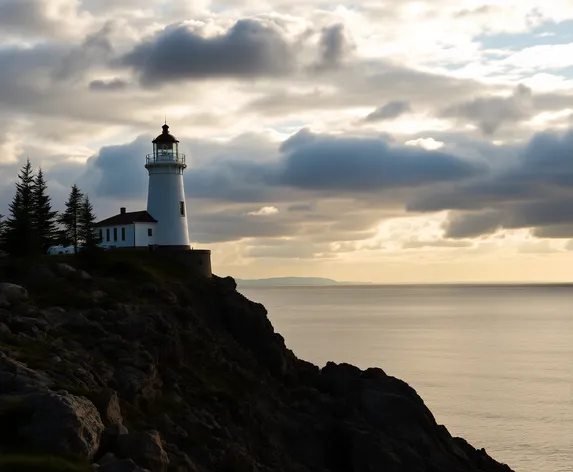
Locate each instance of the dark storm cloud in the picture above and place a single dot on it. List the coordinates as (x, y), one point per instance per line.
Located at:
(391, 110)
(118, 171)
(240, 181)
(491, 112)
(552, 213)
(535, 192)
(562, 231)
(249, 49)
(365, 164)
(471, 225)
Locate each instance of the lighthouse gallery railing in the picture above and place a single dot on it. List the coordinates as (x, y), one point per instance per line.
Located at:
(165, 158)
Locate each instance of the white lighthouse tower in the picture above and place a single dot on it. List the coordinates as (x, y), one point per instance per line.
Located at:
(166, 194)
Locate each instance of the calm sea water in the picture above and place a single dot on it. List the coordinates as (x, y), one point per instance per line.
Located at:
(493, 363)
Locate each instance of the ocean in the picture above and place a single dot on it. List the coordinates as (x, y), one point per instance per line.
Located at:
(494, 363)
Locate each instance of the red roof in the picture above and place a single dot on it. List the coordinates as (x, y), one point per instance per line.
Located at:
(127, 218)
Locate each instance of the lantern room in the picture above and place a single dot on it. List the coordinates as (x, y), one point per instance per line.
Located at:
(165, 149)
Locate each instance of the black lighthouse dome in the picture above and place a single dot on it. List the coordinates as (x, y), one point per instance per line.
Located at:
(165, 137)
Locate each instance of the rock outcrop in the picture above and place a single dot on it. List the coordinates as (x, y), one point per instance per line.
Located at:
(160, 372)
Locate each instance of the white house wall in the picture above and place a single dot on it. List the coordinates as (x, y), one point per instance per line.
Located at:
(141, 236)
(136, 235)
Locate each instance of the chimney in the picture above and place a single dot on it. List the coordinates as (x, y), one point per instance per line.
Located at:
(122, 210)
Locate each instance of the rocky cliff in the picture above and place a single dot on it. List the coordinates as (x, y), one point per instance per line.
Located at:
(130, 366)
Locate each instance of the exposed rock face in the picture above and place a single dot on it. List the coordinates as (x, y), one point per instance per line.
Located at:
(60, 423)
(188, 375)
(11, 294)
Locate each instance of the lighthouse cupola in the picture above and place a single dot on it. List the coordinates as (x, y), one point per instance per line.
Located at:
(166, 193)
(166, 149)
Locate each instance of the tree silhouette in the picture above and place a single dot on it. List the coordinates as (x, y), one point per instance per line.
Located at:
(86, 225)
(20, 232)
(44, 218)
(70, 218)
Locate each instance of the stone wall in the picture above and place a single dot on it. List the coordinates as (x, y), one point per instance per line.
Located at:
(197, 260)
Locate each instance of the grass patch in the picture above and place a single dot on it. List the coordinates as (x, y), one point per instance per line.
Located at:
(40, 463)
(13, 414)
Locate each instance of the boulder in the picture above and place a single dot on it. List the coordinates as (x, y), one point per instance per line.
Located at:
(65, 270)
(4, 330)
(83, 275)
(16, 377)
(98, 296)
(12, 294)
(107, 404)
(145, 448)
(61, 423)
(109, 438)
(110, 463)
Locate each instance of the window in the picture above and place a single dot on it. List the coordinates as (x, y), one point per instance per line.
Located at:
(115, 234)
(182, 208)
(123, 234)
(149, 232)
(107, 234)
(101, 235)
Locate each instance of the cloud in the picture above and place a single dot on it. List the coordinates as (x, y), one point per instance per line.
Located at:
(108, 85)
(17, 16)
(471, 225)
(264, 211)
(335, 47)
(251, 48)
(490, 112)
(95, 48)
(348, 175)
(536, 191)
(118, 171)
(427, 143)
(391, 110)
(280, 248)
(355, 164)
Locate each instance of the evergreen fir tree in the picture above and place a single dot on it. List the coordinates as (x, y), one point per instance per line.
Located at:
(2, 231)
(86, 225)
(44, 217)
(20, 235)
(69, 219)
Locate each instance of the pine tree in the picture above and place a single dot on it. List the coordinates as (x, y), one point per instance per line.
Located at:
(2, 231)
(86, 225)
(70, 234)
(44, 217)
(20, 235)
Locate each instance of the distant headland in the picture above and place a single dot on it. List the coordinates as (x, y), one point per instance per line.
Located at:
(278, 281)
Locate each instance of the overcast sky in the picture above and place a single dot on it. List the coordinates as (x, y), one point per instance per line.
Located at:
(384, 141)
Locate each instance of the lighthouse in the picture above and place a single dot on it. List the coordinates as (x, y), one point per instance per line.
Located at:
(166, 192)
(163, 226)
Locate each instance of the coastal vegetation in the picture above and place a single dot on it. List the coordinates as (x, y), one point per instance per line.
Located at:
(32, 226)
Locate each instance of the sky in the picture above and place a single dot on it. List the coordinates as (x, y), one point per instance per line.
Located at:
(389, 141)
